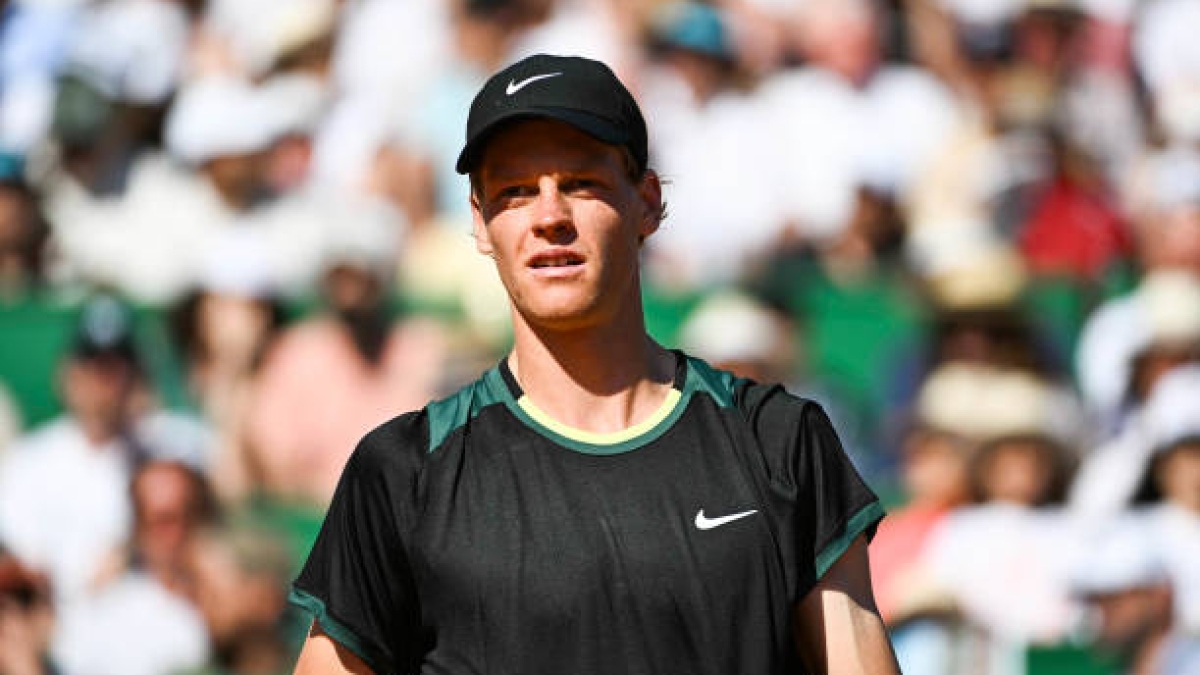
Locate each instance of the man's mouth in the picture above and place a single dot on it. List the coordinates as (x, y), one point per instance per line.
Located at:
(556, 259)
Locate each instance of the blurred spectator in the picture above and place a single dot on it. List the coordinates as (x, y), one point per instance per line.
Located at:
(223, 330)
(368, 370)
(298, 100)
(1073, 228)
(140, 620)
(33, 42)
(1163, 192)
(1130, 341)
(1128, 347)
(238, 144)
(481, 39)
(1168, 59)
(1005, 561)
(253, 38)
(691, 91)
(818, 114)
(934, 461)
(1129, 594)
(121, 67)
(861, 311)
(734, 332)
(26, 620)
(63, 497)
(241, 576)
(23, 238)
(1172, 486)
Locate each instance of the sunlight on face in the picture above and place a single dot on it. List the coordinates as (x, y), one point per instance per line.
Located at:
(562, 218)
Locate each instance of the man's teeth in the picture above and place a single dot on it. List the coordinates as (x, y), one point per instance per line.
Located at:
(556, 262)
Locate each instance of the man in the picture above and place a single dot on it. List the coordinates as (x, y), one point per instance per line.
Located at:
(140, 618)
(595, 503)
(64, 487)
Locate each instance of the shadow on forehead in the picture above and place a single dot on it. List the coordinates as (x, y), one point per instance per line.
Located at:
(541, 144)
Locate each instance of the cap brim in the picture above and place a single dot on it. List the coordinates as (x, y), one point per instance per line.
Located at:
(596, 127)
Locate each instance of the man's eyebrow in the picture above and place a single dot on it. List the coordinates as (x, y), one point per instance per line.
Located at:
(565, 168)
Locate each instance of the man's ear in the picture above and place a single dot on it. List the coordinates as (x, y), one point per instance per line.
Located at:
(650, 192)
(483, 242)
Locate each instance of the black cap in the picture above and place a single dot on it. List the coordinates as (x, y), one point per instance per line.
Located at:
(104, 330)
(577, 91)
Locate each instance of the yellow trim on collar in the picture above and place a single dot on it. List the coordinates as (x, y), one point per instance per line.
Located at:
(594, 438)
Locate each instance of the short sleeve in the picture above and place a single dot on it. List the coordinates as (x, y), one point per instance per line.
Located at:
(829, 504)
(840, 503)
(357, 582)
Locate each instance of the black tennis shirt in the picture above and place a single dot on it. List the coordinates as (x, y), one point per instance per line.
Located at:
(479, 536)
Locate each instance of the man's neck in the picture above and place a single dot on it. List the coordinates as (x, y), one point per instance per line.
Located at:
(598, 380)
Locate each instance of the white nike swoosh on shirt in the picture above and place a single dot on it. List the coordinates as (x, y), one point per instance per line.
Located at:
(514, 87)
(709, 523)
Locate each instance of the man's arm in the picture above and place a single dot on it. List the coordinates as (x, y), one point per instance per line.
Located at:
(838, 630)
(322, 655)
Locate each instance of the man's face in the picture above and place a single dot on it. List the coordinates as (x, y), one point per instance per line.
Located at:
(97, 390)
(166, 506)
(1178, 476)
(561, 216)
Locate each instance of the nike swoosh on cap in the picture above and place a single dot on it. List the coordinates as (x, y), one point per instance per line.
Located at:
(703, 523)
(514, 87)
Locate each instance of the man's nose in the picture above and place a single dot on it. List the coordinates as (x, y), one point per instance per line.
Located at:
(552, 212)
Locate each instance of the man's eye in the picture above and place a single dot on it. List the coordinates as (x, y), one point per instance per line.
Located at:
(514, 191)
(576, 184)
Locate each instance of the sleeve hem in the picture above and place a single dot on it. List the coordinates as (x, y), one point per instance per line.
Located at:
(337, 630)
(863, 521)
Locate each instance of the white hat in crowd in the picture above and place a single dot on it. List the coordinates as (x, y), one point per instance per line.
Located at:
(965, 265)
(1164, 310)
(295, 103)
(1167, 180)
(730, 326)
(133, 50)
(259, 32)
(983, 403)
(367, 238)
(217, 117)
(1172, 412)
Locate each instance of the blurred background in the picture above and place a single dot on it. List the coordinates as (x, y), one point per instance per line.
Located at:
(232, 241)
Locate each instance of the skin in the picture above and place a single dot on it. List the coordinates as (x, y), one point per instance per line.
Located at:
(1016, 473)
(168, 510)
(544, 186)
(97, 392)
(1178, 476)
(935, 470)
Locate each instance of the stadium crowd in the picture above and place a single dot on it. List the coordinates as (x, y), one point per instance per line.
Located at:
(232, 240)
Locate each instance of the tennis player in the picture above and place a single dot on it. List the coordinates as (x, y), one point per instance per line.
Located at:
(595, 503)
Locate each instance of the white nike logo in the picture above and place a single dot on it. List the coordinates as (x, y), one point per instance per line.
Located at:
(709, 523)
(514, 87)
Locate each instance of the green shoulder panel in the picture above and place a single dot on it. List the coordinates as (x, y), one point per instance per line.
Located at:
(456, 410)
(718, 384)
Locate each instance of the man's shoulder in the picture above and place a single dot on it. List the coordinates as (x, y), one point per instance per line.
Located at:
(46, 443)
(449, 414)
(427, 428)
(748, 396)
(399, 443)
